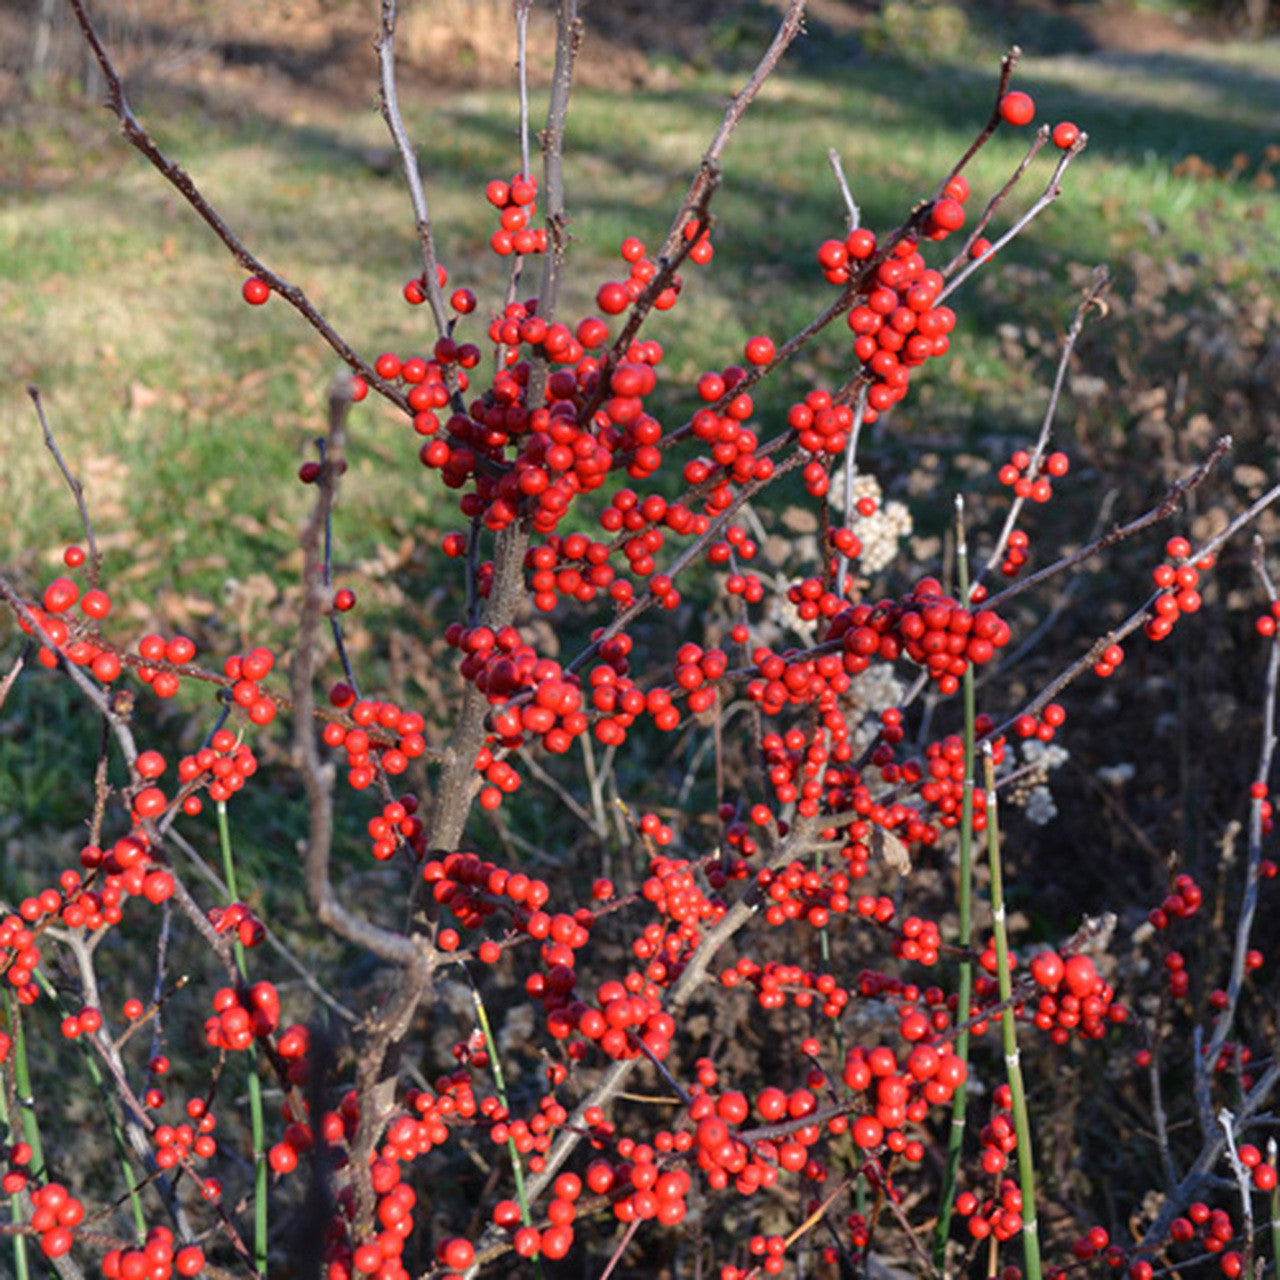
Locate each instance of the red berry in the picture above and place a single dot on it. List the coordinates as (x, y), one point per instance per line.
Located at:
(1081, 976)
(1017, 108)
(613, 298)
(947, 214)
(1065, 135)
(255, 291)
(1047, 969)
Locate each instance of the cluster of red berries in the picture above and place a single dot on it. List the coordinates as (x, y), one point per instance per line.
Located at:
(1182, 902)
(899, 324)
(20, 954)
(1075, 997)
(821, 425)
(776, 982)
(227, 761)
(1044, 726)
(57, 599)
(179, 1144)
(55, 1215)
(85, 1023)
(1016, 551)
(157, 1257)
(17, 1157)
(242, 1016)
(529, 694)
(944, 767)
(1261, 1173)
(1110, 658)
(696, 672)
(672, 888)
(771, 1250)
(415, 290)
(614, 297)
(721, 424)
(575, 567)
(1031, 476)
(998, 1216)
(903, 1092)
(928, 626)
(1203, 1228)
(407, 1136)
(724, 1156)
(1177, 579)
(923, 1013)
(125, 871)
(918, 941)
(474, 889)
(249, 930)
(515, 202)
(381, 735)
(245, 671)
(797, 892)
(397, 826)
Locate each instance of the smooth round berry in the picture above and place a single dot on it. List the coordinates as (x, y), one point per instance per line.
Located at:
(1017, 108)
(255, 291)
(1065, 135)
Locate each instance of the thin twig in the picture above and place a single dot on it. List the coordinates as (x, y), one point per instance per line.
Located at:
(853, 214)
(1052, 190)
(1161, 511)
(1092, 298)
(77, 489)
(317, 777)
(177, 177)
(568, 38)
(964, 253)
(1225, 1020)
(1007, 65)
(390, 104)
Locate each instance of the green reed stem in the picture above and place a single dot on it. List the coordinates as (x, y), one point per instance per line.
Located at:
(500, 1085)
(959, 1100)
(15, 1202)
(1009, 1030)
(260, 1186)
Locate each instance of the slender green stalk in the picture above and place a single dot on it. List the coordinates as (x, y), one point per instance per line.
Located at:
(500, 1084)
(228, 862)
(260, 1185)
(1009, 1031)
(22, 1085)
(964, 895)
(15, 1202)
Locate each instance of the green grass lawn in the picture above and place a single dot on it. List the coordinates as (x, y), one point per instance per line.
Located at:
(186, 413)
(180, 406)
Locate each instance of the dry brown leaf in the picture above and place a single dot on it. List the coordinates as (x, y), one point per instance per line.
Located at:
(887, 846)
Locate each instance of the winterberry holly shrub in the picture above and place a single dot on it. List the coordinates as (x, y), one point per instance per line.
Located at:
(755, 991)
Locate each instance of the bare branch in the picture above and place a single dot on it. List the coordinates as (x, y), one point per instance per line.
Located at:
(390, 103)
(568, 38)
(77, 489)
(317, 777)
(1092, 298)
(178, 178)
